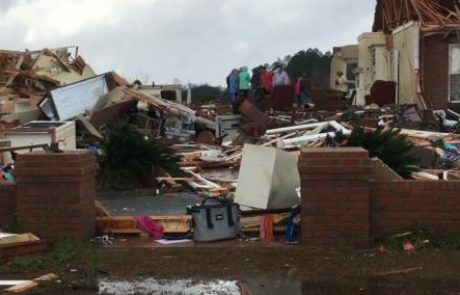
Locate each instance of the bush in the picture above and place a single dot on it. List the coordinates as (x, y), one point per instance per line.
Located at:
(389, 146)
(128, 158)
(62, 251)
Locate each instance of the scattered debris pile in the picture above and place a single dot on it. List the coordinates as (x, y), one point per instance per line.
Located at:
(240, 154)
(25, 77)
(432, 14)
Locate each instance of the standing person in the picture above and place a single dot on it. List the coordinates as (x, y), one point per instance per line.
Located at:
(245, 81)
(280, 77)
(266, 78)
(341, 84)
(305, 94)
(298, 88)
(233, 85)
(227, 81)
(257, 85)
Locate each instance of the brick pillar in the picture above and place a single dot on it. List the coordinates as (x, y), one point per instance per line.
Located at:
(335, 196)
(56, 194)
(7, 203)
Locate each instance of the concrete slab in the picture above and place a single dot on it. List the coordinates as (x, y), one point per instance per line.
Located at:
(146, 203)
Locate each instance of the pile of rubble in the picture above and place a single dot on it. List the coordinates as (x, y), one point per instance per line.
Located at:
(56, 90)
(51, 99)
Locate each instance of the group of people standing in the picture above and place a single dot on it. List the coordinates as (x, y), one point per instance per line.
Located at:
(239, 82)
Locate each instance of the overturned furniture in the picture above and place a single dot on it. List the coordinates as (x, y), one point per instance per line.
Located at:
(268, 178)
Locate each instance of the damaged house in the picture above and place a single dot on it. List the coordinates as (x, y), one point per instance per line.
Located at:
(412, 55)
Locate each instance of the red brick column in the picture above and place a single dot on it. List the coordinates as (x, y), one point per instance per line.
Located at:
(335, 196)
(7, 203)
(56, 194)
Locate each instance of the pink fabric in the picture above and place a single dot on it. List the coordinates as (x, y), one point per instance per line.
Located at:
(146, 224)
(408, 247)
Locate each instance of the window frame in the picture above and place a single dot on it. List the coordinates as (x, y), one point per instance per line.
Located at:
(449, 96)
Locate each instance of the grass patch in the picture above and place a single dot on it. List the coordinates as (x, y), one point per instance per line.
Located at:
(421, 236)
(62, 251)
(14, 226)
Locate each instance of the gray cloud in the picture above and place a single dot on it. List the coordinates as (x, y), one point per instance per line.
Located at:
(5, 5)
(194, 40)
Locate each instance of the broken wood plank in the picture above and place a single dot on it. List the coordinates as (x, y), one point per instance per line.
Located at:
(28, 285)
(8, 251)
(90, 127)
(19, 238)
(128, 224)
(399, 271)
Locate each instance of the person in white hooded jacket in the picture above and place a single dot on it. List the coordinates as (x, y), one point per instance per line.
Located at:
(280, 77)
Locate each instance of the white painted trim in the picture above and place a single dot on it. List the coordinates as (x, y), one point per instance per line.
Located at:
(295, 142)
(448, 73)
(403, 27)
(339, 127)
(296, 128)
(12, 282)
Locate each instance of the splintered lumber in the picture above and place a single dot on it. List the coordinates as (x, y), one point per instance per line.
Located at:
(394, 13)
(399, 271)
(201, 184)
(7, 251)
(424, 176)
(28, 285)
(18, 238)
(101, 210)
(173, 224)
(252, 223)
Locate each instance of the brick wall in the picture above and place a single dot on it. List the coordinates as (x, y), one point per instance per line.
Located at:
(56, 194)
(342, 205)
(398, 205)
(7, 203)
(335, 196)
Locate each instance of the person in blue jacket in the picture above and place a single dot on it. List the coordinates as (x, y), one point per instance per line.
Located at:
(233, 82)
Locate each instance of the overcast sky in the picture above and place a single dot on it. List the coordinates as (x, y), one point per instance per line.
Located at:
(195, 41)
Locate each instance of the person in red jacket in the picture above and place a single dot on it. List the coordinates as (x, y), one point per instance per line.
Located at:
(266, 79)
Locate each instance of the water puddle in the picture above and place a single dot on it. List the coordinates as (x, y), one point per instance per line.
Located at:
(167, 287)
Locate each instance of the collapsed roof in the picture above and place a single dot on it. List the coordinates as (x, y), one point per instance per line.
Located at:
(432, 14)
(25, 74)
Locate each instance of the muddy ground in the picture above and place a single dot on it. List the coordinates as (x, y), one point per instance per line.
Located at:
(309, 271)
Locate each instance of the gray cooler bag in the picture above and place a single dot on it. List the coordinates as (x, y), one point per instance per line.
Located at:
(215, 220)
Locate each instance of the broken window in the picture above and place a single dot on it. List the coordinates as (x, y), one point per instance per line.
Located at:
(352, 65)
(454, 73)
(169, 95)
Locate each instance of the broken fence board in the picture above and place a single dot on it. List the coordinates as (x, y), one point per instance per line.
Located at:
(128, 224)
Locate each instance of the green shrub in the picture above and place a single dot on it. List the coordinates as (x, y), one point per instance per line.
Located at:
(62, 251)
(128, 158)
(389, 146)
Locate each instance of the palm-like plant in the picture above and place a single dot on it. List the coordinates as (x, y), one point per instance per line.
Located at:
(127, 158)
(389, 146)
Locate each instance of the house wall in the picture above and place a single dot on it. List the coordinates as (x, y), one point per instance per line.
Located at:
(435, 68)
(366, 77)
(47, 65)
(340, 58)
(405, 42)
